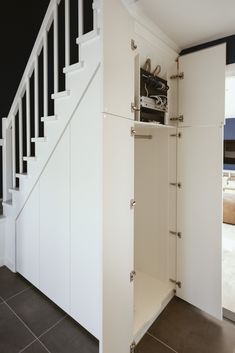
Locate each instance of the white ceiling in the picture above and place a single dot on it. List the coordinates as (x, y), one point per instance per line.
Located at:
(191, 22)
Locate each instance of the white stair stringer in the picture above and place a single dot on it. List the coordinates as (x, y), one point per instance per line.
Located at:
(77, 83)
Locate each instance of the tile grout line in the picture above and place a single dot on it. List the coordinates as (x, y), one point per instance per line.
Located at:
(28, 345)
(15, 295)
(50, 328)
(163, 343)
(26, 326)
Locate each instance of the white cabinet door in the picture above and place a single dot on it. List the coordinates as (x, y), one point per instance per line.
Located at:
(200, 217)
(27, 239)
(55, 226)
(202, 91)
(118, 239)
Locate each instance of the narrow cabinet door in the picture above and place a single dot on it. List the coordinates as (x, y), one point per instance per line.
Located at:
(118, 242)
(202, 89)
(200, 217)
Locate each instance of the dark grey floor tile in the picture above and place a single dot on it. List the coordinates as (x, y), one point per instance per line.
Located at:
(150, 345)
(11, 283)
(188, 330)
(37, 311)
(14, 336)
(69, 337)
(35, 347)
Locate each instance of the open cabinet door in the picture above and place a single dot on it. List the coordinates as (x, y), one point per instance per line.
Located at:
(200, 163)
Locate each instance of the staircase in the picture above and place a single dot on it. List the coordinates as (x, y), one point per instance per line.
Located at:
(41, 110)
(48, 151)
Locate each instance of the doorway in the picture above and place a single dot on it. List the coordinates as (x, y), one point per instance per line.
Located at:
(228, 227)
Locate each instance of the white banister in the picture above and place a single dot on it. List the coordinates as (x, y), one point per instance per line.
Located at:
(80, 18)
(36, 51)
(56, 78)
(45, 75)
(28, 131)
(36, 104)
(80, 24)
(13, 140)
(94, 7)
(20, 137)
(67, 32)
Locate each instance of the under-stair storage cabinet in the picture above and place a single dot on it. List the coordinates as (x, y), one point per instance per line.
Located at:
(120, 208)
(162, 191)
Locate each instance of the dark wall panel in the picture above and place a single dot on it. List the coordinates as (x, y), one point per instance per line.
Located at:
(230, 48)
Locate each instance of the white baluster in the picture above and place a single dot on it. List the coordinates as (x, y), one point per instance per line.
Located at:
(56, 79)
(36, 104)
(67, 33)
(20, 137)
(95, 25)
(28, 134)
(45, 76)
(13, 153)
(80, 23)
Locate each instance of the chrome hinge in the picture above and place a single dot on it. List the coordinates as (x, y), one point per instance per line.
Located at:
(179, 185)
(133, 45)
(132, 203)
(179, 135)
(177, 283)
(178, 76)
(179, 118)
(132, 276)
(133, 131)
(134, 108)
(132, 347)
(179, 234)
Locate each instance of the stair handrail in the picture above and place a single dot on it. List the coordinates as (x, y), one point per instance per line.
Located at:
(47, 21)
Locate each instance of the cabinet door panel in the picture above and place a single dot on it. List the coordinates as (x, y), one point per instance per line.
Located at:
(202, 91)
(27, 239)
(200, 217)
(118, 242)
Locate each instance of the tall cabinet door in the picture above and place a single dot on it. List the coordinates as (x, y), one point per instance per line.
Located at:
(202, 90)
(200, 163)
(118, 234)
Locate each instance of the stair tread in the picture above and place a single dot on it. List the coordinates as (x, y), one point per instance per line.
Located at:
(49, 118)
(73, 67)
(29, 158)
(61, 94)
(88, 36)
(21, 175)
(14, 190)
(38, 139)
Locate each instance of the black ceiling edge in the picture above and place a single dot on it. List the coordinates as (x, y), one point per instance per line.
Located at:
(230, 47)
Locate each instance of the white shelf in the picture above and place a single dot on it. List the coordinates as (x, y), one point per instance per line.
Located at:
(150, 298)
(152, 125)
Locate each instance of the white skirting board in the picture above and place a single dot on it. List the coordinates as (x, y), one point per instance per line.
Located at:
(150, 297)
